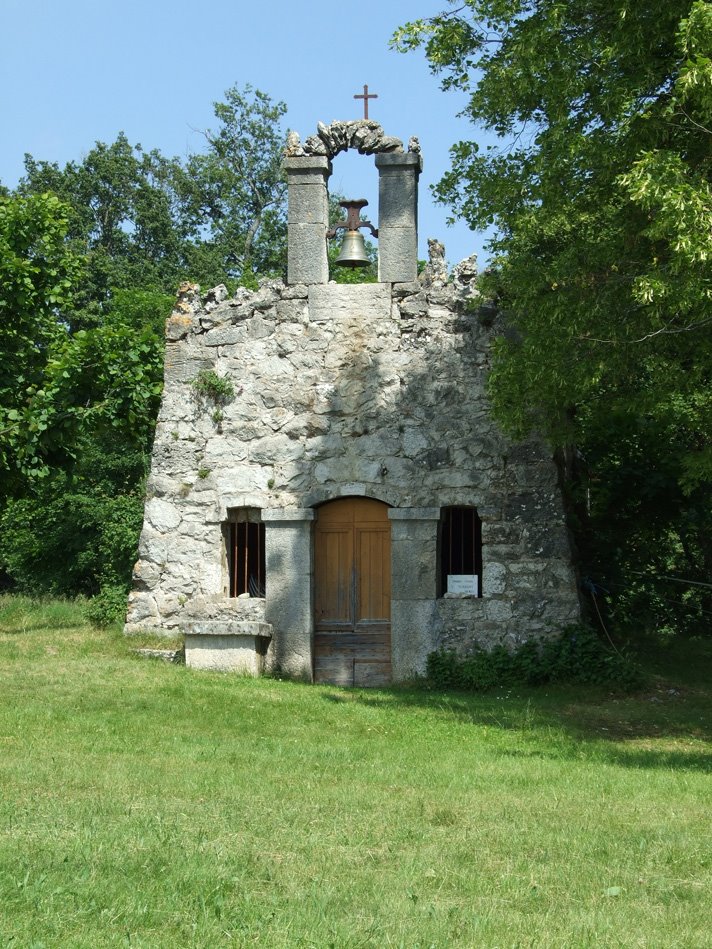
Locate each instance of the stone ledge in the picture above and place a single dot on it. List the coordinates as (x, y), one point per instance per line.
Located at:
(229, 628)
(238, 647)
(176, 656)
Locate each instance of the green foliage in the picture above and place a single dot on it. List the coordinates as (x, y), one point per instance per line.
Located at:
(76, 533)
(20, 615)
(107, 378)
(38, 275)
(108, 606)
(576, 655)
(125, 217)
(209, 385)
(599, 188)
(237, 189)
(64, 529)
(148, 221)
(645, 530)
(90, 256)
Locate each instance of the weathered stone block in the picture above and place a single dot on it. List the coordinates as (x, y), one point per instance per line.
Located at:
(369, 302)
(307, 170)
(308, 204)
(397, 254)
(295, 311)
(544, 540)
(397, 200)
(306, 254)
(297, 291)
(225, 335)
(494, 578)
(415, 627)
(414, 306)
(163, 516)
(414, 567)
(227, 647)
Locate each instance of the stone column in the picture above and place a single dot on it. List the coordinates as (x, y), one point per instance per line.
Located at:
(288, 593)
(414, 543)
(398, 216)
(307, 219)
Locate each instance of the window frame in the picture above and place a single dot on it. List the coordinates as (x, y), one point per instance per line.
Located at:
(459, 547)
(244, 553)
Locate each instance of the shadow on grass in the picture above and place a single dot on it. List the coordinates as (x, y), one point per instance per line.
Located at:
(660, 727)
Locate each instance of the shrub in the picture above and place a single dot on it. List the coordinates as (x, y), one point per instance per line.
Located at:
(108, 606)
(576, 655)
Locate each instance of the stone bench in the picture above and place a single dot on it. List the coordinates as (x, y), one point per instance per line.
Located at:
(227, 645)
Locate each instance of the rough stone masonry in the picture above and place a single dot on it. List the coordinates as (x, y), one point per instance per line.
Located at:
(359, 391)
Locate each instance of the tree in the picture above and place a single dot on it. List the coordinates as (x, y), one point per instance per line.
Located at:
(237, 188)
(600, 192)
(71, 507)
(124, 219)
(38, 277)
(90, 256)
(147, 221)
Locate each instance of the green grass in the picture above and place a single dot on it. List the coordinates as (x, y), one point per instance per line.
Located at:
(143, 804)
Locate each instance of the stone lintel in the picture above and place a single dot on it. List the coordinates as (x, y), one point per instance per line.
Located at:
(276, 514)
(414, 514)
(237, 501)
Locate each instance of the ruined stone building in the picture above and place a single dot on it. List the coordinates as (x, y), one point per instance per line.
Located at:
(332, 500)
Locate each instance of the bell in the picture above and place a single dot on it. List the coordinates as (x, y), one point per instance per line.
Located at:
(353, 251)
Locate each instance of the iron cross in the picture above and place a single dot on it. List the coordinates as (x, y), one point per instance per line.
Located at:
(365, 98)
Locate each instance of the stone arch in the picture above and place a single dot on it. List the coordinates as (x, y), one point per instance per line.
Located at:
(355, 490)
(364, 135)
(308, 168)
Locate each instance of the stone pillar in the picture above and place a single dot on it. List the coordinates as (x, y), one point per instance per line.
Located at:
(398, 216)
(307, 219)
(414, 552)
(288, 593)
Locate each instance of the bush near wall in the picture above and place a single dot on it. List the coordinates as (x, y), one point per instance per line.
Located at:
(576, 655)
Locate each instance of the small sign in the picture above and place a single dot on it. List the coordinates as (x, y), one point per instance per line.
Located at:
(464, 584)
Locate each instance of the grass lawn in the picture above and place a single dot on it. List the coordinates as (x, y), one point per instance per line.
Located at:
(143, 804)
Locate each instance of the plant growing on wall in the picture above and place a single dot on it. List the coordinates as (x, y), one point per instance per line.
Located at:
(212, 387)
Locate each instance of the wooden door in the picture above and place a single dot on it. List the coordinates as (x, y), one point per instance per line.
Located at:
(352, 568)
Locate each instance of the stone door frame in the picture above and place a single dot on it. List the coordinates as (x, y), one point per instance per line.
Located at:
(352, 592)
(289, 603)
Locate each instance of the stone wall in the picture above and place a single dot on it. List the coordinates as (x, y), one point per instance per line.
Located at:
(371, 390)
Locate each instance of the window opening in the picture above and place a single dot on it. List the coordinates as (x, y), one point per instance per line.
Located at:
(245, 548)
(460, 551)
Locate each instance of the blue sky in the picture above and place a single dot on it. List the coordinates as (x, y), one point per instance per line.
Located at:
(76, 71)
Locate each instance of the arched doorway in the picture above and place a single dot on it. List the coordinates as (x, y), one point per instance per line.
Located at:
(352, 579)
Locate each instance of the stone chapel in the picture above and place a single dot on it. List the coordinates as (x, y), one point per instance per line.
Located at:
(341, 503)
